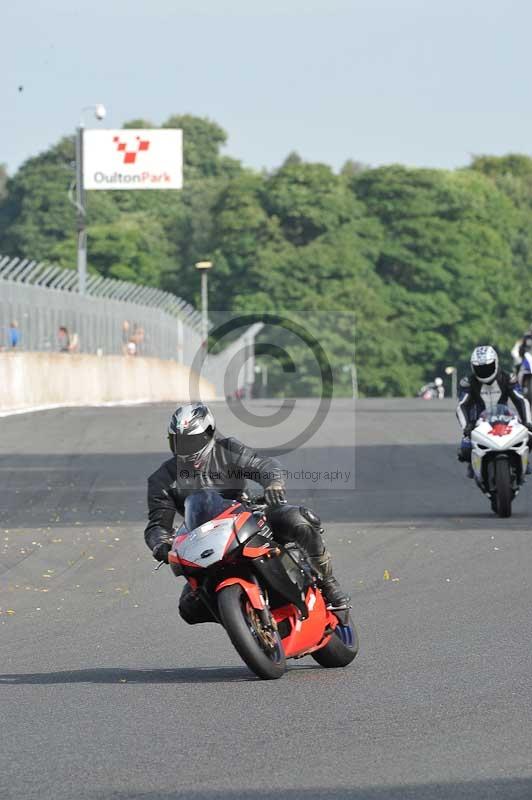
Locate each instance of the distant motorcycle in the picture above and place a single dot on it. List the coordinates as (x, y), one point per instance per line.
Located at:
(432, 391)
(264, 594)
(499, 457)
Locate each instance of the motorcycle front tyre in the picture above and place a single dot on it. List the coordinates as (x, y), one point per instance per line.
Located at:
(240, 623)
(503, 485)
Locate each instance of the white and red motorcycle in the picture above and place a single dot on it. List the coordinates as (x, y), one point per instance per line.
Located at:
(499, 457)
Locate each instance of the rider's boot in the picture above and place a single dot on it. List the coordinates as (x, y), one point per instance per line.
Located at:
(332, 592)
(464, 455)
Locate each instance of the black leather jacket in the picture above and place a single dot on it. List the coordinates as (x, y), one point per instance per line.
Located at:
(228, 467)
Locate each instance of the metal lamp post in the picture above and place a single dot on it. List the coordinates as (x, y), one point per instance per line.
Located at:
(262, 370)
(454, 380)
(99, 113)
(204, 267)
(351, 368)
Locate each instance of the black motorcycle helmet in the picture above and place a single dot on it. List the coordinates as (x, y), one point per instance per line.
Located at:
(191, 432)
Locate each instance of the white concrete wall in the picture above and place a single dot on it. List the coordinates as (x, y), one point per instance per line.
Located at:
(29, 380)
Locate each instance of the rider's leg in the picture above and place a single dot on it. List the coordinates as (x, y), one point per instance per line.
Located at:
(301, 525)
(464, 454)
(192, 608)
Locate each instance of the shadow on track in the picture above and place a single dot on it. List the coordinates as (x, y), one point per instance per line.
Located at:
(111, 675)
(498, 789)
(124, 675)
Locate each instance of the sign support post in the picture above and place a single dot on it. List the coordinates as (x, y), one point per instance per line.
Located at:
(81, 212)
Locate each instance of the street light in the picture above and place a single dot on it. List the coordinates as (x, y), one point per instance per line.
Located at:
(99, 113)
(454, 380)
(204, 267)
(262, 370)
(354, 379)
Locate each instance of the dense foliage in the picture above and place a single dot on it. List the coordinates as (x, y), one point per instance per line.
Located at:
(412, 267)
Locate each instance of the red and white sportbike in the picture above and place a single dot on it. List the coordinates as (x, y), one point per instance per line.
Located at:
(264, 594)
(499, 457)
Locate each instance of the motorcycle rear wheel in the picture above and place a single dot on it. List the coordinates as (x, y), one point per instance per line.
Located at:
(262, 652)
(341, 649)
(503, 484)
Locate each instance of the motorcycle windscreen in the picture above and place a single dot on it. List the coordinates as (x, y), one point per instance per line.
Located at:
(498, 413)
(203, 506)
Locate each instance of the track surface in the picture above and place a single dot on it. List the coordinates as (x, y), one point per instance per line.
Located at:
(105, 693)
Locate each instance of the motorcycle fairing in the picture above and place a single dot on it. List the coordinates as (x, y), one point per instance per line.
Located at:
(276, 578)
(306, 635)
(206, 544)
(246, 526)
(251, 589)
(259, 545)
(498, 436)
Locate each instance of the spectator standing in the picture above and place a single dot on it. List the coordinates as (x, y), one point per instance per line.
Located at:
(63, 339)
(13, 335)
(125, 337)
(138, 337)
(73, 346)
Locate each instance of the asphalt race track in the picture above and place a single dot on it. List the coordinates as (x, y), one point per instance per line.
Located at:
(106, 693)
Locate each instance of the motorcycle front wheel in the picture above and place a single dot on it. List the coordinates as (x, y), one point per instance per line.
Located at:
(341, 648)
(503, 484)
(260, 648)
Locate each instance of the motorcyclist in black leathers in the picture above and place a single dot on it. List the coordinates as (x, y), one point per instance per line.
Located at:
(487, 386)
(202, 460)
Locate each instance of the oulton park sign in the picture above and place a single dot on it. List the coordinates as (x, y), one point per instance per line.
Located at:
(133, 159)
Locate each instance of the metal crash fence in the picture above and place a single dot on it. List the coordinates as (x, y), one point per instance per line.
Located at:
(112, 317)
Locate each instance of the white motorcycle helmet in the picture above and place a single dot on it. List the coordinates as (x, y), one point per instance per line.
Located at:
(485, 363)
(438, 382)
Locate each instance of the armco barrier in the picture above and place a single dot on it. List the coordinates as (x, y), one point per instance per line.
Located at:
(30, 380)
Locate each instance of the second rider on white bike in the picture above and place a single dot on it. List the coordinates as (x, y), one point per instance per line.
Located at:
(487, 387)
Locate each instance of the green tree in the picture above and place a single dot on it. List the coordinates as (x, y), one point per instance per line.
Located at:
(202, 140)
(447, 259)
(512, 175)
(37, 214)
(133, 248)
(308, 200)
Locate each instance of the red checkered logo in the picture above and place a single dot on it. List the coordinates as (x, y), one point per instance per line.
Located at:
(130, 150)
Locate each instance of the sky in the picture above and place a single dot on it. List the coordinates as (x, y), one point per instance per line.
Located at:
(418, 82)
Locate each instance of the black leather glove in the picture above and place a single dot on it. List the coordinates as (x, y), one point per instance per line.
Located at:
(275, 494)
(161, 550)
(468, 429)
